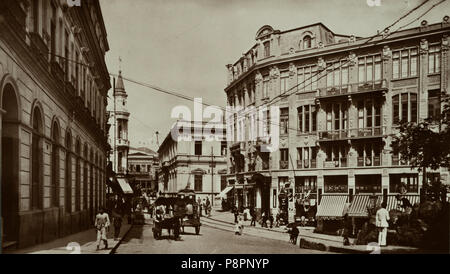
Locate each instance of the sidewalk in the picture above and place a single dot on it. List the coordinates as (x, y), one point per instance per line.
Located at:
(310, 240)
(86, 240)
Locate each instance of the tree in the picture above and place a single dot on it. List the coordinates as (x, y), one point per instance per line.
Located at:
(425, 144)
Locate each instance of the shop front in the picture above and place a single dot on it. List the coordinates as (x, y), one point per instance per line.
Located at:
(333, 203)
(262, 193)
(305, 193)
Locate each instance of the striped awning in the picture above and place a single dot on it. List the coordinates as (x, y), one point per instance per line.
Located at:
(331, 206)
(359, 205)
(125, 186)
(393, 203)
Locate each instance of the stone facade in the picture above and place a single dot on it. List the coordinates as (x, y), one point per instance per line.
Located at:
(181, 163)
(344, 98)
(143, 164)
(53, 89)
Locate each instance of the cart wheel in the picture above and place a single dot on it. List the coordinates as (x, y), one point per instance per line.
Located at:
(197, 230)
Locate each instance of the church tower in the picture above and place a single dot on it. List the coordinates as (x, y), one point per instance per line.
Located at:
(119, 128)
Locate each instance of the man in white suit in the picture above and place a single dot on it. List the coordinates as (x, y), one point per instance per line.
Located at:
(382, 219)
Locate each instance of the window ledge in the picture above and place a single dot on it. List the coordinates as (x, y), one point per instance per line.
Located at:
(405, 78)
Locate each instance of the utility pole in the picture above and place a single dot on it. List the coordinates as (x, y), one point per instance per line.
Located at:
(212, 175)
(115, 124)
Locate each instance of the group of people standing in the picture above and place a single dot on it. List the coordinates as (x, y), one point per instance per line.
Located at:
(205, 205)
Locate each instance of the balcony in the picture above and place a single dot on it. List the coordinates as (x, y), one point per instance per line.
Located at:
(333, 91)
(331, 135)
(122, 143)
(342, 162)
(367, 132)
(343, 134)
(57, 71)
(372, 86)
(306, 164)
(284, 164)
(369, 161)
(380, 85)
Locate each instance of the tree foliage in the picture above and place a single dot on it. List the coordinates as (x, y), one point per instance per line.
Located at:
(425, 144)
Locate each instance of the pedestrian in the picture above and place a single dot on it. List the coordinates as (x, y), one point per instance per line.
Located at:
(208, 207)
(346, 226)
(239, 227)
(294, 234)
(271, 220)
(236, 214)
(253, 216)
(117, 223)
(199, 202)
(264, 220)
(382, 218)
(204, 207)
(102, 224)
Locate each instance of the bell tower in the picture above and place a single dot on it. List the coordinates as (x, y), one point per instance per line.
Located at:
(121, 144)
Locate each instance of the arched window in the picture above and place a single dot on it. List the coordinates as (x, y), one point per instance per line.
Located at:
(55, 166)
(85, 177)
(78, 176)
(68, 174)
(95, 182)
(9, 180)
(36, 155)
(307, 42)
(91, 185)
(119, 131)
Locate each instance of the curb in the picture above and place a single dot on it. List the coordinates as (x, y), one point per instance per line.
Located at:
(113, 250)
(260, 228)
(268, 229)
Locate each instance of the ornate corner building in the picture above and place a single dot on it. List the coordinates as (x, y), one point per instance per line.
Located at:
(193, 163)
(341, 99)
(53, 90)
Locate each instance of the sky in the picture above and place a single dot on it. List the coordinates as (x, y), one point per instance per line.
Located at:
(184, 45)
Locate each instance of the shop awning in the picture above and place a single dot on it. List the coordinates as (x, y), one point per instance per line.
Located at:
(332, 206)
(359, 205)
(125, 186)
(393, 203)
(224, 192)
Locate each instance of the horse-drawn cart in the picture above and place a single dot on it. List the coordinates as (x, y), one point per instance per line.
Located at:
(173, 213)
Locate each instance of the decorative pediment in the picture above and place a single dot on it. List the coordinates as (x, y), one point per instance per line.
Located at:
(198, 171)
(264, 32)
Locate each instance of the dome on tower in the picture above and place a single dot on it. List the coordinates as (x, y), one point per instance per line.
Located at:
(119, 84)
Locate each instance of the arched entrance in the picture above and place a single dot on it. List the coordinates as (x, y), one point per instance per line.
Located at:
(262, 184)
(10, 163)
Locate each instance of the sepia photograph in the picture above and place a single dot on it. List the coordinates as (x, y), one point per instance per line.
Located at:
(243, 127)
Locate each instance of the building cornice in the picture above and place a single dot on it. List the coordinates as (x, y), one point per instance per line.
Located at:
(410, 34)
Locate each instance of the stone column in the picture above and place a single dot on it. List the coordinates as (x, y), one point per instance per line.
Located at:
(422, 92)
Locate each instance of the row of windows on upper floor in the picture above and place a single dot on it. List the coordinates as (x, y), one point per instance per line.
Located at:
(368, 115)
(370, 70)
(249, 60)
(67, 54)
